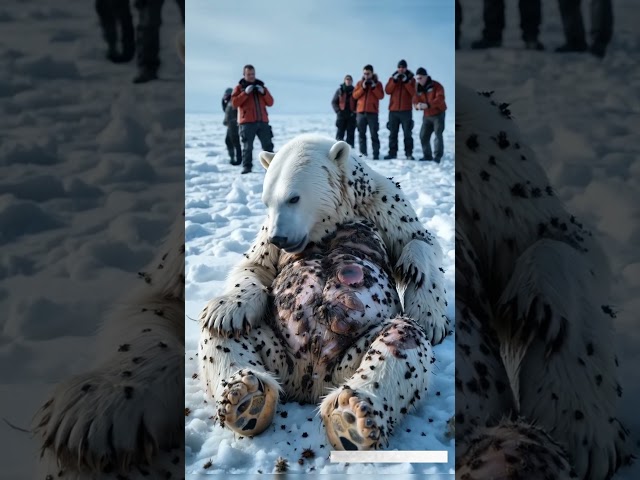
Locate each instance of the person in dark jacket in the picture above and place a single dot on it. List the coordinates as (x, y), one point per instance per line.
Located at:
(400, 87)
(601, 26)
(493, 16)
(148, 38)
(429, 98)
(368, 93)
(115, 15)
(344, 105)
(251, 97)
(232, 138)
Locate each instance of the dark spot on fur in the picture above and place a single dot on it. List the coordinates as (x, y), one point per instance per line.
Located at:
(128, 392)
(518, 190)
(472, 142)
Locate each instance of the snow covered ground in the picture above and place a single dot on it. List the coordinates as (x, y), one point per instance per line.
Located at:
(579, 115)
(88, 164)
(223, 215)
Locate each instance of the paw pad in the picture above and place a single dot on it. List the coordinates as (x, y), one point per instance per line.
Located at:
(247, 405)
(350, 422)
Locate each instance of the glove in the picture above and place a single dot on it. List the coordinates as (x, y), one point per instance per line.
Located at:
(396, 76)
(373, 84)
(260, 89)
(422, 106)
(402, 77)
(249, 89)
(406, 79)
(368, 82)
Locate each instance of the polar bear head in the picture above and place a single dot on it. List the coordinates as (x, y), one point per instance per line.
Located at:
(303, 190)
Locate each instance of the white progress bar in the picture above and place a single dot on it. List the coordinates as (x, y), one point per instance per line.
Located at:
(389, 456)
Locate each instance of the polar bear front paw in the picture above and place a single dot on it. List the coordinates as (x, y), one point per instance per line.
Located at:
(234, 314)
(410, 274)
(106, 420)
(420, 306)
(421, 284)
(437, 330)
(558, 348)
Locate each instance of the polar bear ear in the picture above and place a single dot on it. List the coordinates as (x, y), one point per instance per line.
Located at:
(339, 152)
(180, 45)
(265, 158)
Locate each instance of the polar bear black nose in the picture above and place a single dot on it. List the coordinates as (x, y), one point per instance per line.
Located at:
(279, 242)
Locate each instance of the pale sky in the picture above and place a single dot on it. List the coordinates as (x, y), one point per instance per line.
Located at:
(302, 49)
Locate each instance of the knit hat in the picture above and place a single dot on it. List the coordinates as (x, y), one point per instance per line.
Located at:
(402, 63)
(421, 71)
(368, 67)
(228, 91)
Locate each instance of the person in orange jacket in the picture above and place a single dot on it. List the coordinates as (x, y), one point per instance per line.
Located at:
(429, 98)
(252, 98)
(368, 93)
(401, 88)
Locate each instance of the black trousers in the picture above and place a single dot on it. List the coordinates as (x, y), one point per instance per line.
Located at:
(432, 124)
(232, 141)
(368, 119)
(248, 133)
(346, 123)
(111, 14)
(395, 120)
(601, 22)
(530, 19)
(148, 31)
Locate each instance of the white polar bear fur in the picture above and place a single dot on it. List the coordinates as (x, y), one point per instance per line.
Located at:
(530, 272)
(334, 187)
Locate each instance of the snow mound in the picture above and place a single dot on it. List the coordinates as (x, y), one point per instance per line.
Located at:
(122, 134)
(24, 218)
(38, 188)
(122, 167)
(43, 319)
(47, 67)
(17, 152)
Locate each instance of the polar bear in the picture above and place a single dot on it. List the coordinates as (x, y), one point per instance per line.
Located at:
(123, 417)
(534, 333)
(335, 326)
(312, 185)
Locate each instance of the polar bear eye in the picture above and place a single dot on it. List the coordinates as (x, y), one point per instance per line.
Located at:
(294, 199)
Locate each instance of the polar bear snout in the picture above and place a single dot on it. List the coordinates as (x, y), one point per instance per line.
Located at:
(279, 242)
(289, 245)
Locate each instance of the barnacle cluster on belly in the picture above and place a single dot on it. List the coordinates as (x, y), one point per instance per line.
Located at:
(326, 297)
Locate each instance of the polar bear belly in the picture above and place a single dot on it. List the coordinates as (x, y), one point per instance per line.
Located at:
(324, 302)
